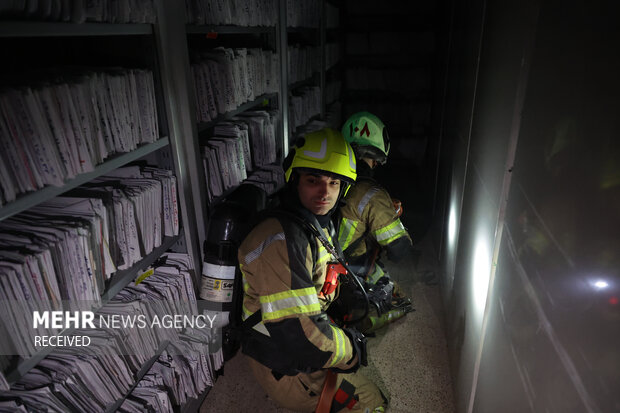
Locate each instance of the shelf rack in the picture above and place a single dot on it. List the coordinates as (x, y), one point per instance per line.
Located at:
(262, 100)
(58, 29)
(119, 280)
(31, 199)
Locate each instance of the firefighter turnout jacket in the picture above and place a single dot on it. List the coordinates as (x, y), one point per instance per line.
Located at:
(284, 268)
(369, 214)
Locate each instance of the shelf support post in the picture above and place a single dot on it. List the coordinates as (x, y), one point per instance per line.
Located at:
(173, 54)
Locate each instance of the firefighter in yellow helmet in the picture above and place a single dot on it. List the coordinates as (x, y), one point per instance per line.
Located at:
(290, 341)
(369, 221)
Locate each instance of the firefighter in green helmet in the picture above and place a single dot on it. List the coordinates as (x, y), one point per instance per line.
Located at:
(369, 222)
(292, 344)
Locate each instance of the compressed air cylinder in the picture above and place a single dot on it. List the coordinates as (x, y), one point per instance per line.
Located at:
(217, 286)
(374, 323)
(221, 291)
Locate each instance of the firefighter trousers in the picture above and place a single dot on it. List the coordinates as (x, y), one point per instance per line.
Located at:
(355, 393)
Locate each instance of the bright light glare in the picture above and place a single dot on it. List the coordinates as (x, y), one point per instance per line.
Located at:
(452, 225)
(481, 274)
(600, 284)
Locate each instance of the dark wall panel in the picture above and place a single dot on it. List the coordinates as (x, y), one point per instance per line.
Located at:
(459, 100)
(524, 365)
(505, 40)
(563, 211)
(532, 276)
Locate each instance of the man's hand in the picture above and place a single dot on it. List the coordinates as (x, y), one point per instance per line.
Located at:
(380, 295)
(358, 340)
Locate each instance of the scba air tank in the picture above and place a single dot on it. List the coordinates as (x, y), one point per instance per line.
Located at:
(221, 291)
(217, 286)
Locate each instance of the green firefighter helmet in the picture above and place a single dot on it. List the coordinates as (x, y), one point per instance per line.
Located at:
(368, 136)
(324, 152)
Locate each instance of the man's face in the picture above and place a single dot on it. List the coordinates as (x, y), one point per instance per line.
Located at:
(318, 193)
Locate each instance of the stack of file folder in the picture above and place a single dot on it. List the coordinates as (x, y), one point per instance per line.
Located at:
(80, 11)
(269, 178)
(225, 78)
(61, 254)
(96, 377)
(305, 13)
(55, 130)
(305, 103)
(237, 148)
(232, 12)
(302, 62)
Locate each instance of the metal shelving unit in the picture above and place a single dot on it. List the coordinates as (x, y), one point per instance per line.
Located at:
(139, 375)
(119, 280)
(176, 110)
(262, 100)
(217, 30)
(308, 33)
(282, 46)
(174, 143)
(59, 29)
(310, 81)
(240, 33)
(193, 404)
(34, 198)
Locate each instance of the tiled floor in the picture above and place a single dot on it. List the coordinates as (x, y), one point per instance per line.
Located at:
(408, 359)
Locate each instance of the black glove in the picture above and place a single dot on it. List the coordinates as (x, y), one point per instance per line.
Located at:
(380, 295)
(358, 341)
(404, 303)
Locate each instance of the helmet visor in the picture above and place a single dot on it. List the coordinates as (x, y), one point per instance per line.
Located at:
(386, 141)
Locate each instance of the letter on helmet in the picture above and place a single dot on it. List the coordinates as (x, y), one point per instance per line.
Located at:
(368, 136)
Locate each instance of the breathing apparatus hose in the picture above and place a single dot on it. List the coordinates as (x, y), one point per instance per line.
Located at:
(313, 225)
(307, 220)
(351, 275)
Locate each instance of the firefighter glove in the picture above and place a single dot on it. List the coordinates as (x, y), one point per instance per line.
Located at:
(358, 341)
(380, 295)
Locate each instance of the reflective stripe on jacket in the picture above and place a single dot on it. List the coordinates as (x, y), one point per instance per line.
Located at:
(282, 275)
(368, 206)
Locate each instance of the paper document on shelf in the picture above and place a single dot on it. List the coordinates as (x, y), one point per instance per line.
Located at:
(94, 211)
(223, 162)
(52, 110)
(147, 110)
(236, 130)
(72, 129)
(130, 171)
(104, 109)
(85, 113)
(19, 157)
(215, 173)
(217, 81)
(200, 86)
(41, 139)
